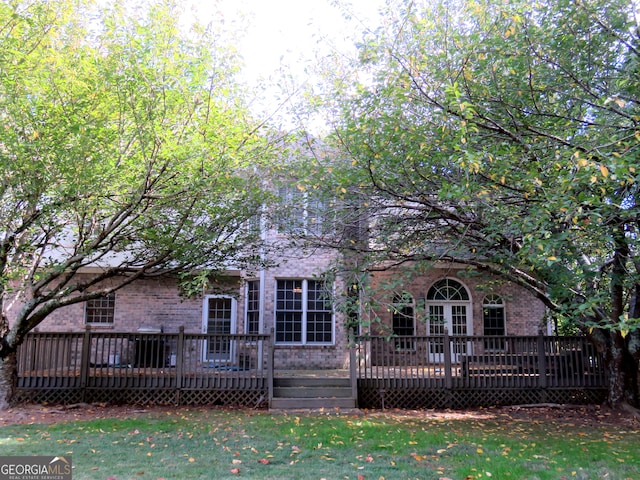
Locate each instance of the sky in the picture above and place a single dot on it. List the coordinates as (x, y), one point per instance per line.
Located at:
(286, 32)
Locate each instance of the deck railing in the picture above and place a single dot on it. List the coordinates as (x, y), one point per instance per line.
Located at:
(481, 362)
(177, 362)
(433, 371)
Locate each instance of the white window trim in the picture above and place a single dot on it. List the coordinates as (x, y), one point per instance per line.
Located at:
(306, 227)
(205, 321)
(102, 324)
(260, 305)
(205, 314)
(305, 297)
(447, 304)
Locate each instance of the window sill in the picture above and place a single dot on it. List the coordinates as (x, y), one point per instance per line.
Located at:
(100, 326)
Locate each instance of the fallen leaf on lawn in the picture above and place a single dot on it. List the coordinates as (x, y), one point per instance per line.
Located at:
(369, 458)
(235, 461)
(235, 471)
(263, 461)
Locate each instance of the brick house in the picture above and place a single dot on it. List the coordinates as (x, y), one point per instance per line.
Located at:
(309, 333)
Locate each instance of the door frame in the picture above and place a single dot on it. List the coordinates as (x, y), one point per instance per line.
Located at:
(233, 325)
(447, 306)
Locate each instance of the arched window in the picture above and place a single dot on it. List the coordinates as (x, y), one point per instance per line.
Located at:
(403, 320)
(493, 319)
(449, 290)
(448, 306)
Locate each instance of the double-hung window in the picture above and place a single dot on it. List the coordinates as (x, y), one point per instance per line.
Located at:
(100, 311)
(304, 314)
(493, 318)
(403, 321)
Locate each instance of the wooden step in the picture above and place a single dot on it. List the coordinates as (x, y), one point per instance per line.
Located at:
(311, 382)
(300, 392)
(311, 403)
(311, 392)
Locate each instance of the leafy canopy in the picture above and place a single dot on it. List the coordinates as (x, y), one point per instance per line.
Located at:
(503, 136)
(124, 146)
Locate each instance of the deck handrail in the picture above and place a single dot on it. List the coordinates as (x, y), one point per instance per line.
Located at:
(478, 361)
(194, 367)
(78, 359)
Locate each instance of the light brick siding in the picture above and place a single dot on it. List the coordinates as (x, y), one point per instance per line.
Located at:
(157, 303)
(302, 265)
(524, 313)
(145, 303)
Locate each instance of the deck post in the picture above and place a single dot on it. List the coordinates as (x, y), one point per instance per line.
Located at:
(270, 357)
(84, 361)
(542, 360)
(448, 380)
(352, 372)
(179, 362)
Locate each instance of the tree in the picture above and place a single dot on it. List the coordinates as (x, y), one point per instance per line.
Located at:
(504, 136)
(124, 146)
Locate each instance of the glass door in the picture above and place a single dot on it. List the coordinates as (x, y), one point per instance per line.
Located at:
(219, 320)
(448, 306)
(453, 317)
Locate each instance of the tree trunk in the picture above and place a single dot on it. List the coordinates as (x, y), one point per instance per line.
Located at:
(621, 363)
(8, 379)
(622, 368)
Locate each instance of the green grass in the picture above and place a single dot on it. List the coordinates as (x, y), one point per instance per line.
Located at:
(211, 444)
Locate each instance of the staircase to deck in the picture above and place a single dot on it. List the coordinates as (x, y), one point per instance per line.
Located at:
(305, 392)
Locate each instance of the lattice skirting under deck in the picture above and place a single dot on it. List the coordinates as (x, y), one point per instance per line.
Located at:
(369, 396)
(253, 398)
(378, 397)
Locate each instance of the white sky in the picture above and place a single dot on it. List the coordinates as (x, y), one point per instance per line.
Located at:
(284, 36)
(287, 32)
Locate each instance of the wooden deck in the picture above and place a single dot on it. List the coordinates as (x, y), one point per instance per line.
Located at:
(238, 369)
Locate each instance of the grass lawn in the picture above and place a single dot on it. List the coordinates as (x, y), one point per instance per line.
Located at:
(210, 444)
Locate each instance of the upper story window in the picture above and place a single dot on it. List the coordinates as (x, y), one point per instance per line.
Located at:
(304, 314)
(302, 212)
(100, 310)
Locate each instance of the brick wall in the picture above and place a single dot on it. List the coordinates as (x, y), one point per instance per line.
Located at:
(145, 303)
(304, 265)
(157, 303)
(523, 312)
